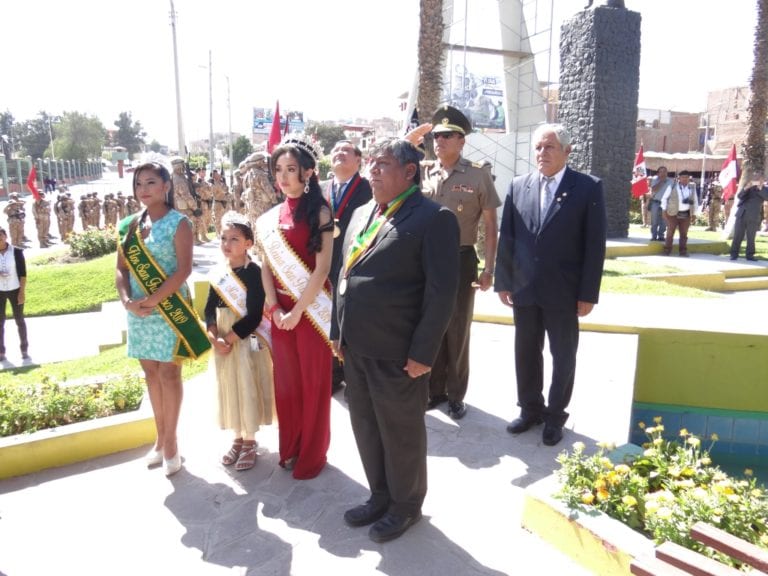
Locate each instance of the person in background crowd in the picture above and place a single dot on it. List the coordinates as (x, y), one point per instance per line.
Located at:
(13, 282)
(680, 205)
(749, 201)
(661, 183)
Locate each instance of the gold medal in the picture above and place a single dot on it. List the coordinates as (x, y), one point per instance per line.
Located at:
(343, 286)
(460, 207)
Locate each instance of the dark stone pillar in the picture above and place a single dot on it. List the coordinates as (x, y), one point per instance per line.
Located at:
(599, 80)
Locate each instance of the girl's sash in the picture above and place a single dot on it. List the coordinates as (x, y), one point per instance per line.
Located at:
(291, 270)
(233, 293)
(175, 309)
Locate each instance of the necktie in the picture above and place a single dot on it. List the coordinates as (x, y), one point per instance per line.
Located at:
(547, 193)
(339, 190)
(381, 209)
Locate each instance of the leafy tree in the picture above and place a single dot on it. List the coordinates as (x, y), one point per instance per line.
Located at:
(155, 146)
(34, 136)
(754, 145)
(80, 137)
(241, 148)
(326, 134)
(6, 134)
(130, 134)
(430, 63)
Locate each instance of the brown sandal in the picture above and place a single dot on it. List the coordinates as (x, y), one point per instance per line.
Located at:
(234, 453)
(247, 458)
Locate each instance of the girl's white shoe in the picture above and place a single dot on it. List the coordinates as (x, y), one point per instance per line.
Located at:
(170, 467)
(153, 458)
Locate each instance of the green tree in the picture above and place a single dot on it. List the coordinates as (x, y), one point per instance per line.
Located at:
(241, 148)
(754, 145)
(6, 134)
(34, 136)
(430, 52)
(130, 134)
(80, 137)
(155, 146)
(326, 134)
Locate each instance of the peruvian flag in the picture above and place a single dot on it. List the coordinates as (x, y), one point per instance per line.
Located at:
(32, 183)
(729, 175)
(274, 133)
(639, 175)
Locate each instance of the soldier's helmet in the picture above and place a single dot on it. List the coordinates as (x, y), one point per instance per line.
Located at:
(13, 196)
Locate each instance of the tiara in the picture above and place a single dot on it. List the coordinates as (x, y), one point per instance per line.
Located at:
(231, 217)
(304, 143)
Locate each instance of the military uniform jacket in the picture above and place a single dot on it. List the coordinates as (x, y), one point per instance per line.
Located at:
(467, 190)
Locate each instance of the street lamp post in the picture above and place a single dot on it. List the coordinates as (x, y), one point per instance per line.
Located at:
(210, 109)
(229, 134)
(180, 124)
(50, 134)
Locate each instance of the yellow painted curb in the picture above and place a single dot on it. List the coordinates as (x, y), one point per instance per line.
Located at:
(27, 453)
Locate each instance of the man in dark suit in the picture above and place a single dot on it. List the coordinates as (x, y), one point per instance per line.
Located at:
(345, 192)
(548, 269)
(394, 299)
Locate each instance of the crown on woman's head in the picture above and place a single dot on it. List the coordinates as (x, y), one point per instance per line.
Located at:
(304, 143)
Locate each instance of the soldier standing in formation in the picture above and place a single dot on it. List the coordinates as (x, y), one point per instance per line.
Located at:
(70, 212)
(59, 208)
(260, 193)
(713, 201)
(183, 199)
(131, 206)
(121, 211)
(16, 214)
(220, 200)
(202, 216)
(237, 190)
(82, 211)
(110, 209)
(41, 210)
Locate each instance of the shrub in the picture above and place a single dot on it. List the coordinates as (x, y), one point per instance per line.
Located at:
(666, 490)
(93, 242)
(32, 407)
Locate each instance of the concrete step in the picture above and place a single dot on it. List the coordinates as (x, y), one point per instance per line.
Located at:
(746, 283)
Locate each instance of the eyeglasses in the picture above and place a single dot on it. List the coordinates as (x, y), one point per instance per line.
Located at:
(446, 135)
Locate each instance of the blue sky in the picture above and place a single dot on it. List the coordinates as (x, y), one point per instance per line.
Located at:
(332, 59)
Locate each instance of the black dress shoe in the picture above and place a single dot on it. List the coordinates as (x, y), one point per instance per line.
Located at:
(751, 258)
(456, 410)
(552, 434)
(392, 526)
(520, 425)
(734, 257)
(435, 401)
(364, 514)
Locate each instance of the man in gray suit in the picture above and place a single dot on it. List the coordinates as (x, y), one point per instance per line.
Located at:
(548, 269)
(394, 298)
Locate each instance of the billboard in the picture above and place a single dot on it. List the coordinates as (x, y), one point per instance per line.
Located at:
(262, 121)
(474, 83)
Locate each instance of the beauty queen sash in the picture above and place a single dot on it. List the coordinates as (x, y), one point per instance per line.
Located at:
(233, 293)
(175, 309)
(291, 270)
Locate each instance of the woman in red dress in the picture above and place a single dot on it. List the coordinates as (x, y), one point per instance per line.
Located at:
(296, 239)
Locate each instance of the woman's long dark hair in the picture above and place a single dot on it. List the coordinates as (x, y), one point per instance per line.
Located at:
(310, 203)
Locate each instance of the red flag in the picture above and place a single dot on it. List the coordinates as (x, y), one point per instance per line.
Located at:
(729, 175)
(274, 133)
(32, 183)
(639, 175)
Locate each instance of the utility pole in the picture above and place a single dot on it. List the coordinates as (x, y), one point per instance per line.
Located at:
(229, 135)
(180, 124)
(210, 111)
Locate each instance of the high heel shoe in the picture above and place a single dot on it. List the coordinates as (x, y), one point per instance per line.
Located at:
(173, 465)
(153, 458)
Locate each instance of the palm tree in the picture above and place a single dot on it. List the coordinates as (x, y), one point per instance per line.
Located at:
(753, 149)
(430, 62)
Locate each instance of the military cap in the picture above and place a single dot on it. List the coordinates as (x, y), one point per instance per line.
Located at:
(13, 195)
(449, 119)
(177, 160)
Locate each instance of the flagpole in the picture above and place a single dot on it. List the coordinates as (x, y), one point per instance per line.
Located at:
(180, 125)
(704, 152)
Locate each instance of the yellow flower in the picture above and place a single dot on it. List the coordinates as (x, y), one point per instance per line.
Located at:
(756, 493)
(699, 493)
(714, 437)
(600, 484)
(685, 483)
(603, 495)
(688, 472)
(587, 498)
(606, 463)
(650, 430)
(614, 478)
(622, 469)
(693, 441)
(657, 419)
(733, 498)
(578, 446)
(706, 461)
(629, 500)
(664, 513)
(684, 432)
(641, 425)
(764, 539)
(748, 472)
(658, 441)
(659, 428)
(649, 452)
(674, 471)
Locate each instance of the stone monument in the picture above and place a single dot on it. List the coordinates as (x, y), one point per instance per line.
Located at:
(599, 82)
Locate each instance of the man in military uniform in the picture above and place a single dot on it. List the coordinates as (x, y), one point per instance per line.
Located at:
(61, 216)
(132, 205)
(70, 212)
(220, 200)
(110, 209)
(41, 210)
(95, 210)
(237, 191)
(83, 211)
(183, 200)
(713, 203)
(205, 197)
(260, 193)
(467, 189)
(16, 214)
(120, 199)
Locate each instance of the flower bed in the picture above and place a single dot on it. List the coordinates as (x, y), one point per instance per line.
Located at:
(664, 489)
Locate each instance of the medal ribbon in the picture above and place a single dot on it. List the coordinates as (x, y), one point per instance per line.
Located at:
(175, 309)
(339, 210)
(363, 241)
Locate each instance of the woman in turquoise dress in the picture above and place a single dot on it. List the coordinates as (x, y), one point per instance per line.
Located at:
(167, 238)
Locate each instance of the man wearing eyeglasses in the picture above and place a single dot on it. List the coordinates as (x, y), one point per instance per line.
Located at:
(467, 189)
